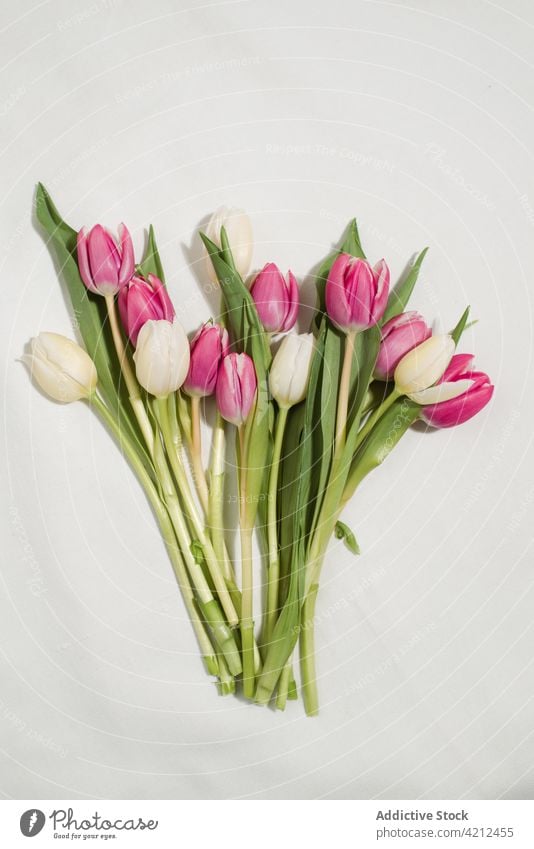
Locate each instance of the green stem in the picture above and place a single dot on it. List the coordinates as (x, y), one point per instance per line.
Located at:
(307, 653)
(273, 569)
(129, 378)
(167, 532)
(196, 454)
(344, 391)
(247, 611)
(209, 606)
(226, 679)
(325, 526)
(216, 498)
(174, 454)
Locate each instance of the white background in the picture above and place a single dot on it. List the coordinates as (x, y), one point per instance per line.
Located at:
(417, 118)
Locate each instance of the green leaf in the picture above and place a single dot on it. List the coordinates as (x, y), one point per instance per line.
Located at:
(244, 324)
(90, 316)
(342, 531)
(89, 311)
(247, 330)
(226, 249)
(151, 263)
(322, 406)
(400, 295)
(366, 351)
(290, 466)
(460, 327)
(383, 438)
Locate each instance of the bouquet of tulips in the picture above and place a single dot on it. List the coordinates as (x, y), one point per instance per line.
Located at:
(312, 415)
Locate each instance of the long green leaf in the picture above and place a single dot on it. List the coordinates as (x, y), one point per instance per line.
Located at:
(247, 330)
(383, 438)
(90, 316)
(401, 294)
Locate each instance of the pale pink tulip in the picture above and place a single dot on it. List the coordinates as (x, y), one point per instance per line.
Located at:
(105, 267)
(236, 388)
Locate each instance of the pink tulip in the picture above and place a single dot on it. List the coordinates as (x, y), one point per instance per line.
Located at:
(277, 301)
(141, 301)
(476, 394)
(356, 294)
(105, 267)
(399, 335)
(208, 347)
(236, 388)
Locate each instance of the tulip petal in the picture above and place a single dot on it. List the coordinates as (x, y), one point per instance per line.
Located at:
(83, 259)
(337, 305)
(104, 260)
(459, 365)
(441, 392)
(293, 302)
(359, 284)
(381, 277)
(127, 264)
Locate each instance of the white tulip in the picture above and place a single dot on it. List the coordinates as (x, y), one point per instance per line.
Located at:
(424, 365)
(61, 368)
(239, 231)
(161, 357)
(290, 370)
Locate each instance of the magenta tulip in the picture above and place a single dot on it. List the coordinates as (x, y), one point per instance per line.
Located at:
(399, 335)
(208, 347)
(356, 294)
(236, 388)
(143, 300)
(105, 267)
(276, 299)
(477, 392)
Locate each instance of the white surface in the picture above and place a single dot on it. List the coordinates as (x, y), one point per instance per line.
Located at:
(415, 117)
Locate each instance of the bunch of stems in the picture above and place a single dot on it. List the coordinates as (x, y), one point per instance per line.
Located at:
(199, 558)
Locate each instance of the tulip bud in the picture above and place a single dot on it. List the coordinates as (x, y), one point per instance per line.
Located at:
(141, 301)
(399, 335)
(61, 368)
(424, 365)
(161, 357)
(277, 302)
(290, 370)
(208, 347)
(356, 295)
(460, 394)
(105, 267)
(236, 388)
(238, 228)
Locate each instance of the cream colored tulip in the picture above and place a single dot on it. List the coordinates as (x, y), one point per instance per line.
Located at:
(424, 365)
(238, 228)
(161, 357)
(63, 370)
(290, 370)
